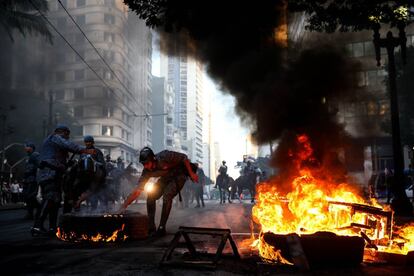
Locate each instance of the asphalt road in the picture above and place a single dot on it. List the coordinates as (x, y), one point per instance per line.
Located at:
(21, 254)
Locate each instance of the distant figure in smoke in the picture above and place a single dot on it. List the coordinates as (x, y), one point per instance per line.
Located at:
(120, 163)
(53, 164)
(222, 182)
(92, 173)
(199, 187)
(389, 183)
(172, 169)
(247, 179)
(111, 182)
(30, 185)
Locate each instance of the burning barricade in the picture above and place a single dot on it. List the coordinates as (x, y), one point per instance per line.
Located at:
(319, 220)
(80, 227)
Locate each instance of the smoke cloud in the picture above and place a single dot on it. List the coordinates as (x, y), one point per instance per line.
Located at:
(280, 91)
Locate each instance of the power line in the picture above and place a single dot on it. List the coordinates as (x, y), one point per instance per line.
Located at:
(77, 53)
(100, 56)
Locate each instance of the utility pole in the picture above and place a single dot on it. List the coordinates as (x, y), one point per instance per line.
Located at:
(50, 115)
(400, 204)
(3, 118)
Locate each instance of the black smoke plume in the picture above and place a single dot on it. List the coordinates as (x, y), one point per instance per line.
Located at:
(282, 92)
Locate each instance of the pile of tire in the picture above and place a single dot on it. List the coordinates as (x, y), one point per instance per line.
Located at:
(136, 226)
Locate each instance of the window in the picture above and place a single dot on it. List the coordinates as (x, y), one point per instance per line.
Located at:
(60, 95)
(80, 3)
(81, 53)
(77, 130)
(107, 75)
(60, 76)
(108, 37)
(108, 111)
(125, 117)
(109, 55)
(78, 111)
(80, 19)
(109, 3)
(356, 49)
(107, 131)
(169, 120)
(79, 38)
(169, 142)
(371, 108)
(79, 74)
(124, 134)
(79, 93)
(63, 3)
(369, 49)
(109, 18)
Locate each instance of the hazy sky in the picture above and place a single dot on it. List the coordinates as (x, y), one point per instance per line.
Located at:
(227, 129)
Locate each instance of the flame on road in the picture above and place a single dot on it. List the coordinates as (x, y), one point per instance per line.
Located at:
(307, 208)
(117, 235)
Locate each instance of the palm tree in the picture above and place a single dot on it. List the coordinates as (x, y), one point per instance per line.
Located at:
(19, 14)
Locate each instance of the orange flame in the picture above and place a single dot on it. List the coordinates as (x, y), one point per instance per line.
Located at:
(75, 237)
(309, 208)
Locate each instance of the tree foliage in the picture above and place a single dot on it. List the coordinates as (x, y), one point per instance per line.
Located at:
(350, 15)
(323, 15)
(19, 15)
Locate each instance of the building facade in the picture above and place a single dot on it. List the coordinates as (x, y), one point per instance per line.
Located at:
(185, 75)
(163, 129)
(109, 107)
(365, 114)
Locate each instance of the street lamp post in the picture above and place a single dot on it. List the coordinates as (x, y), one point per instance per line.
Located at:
(400, 204)
(3, 158)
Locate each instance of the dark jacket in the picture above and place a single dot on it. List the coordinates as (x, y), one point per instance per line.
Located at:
(166, 163)
(30, 169)
(54, 154)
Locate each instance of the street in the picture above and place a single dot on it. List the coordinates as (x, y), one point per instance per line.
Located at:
(21, 254)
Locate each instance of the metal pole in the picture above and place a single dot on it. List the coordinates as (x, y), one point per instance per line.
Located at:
(401, 204)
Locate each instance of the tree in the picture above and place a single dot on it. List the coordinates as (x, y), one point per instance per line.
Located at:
(350, 15)
(19, 15)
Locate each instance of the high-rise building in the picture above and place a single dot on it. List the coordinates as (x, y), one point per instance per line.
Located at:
(185, 75)
(163, 128)
(105, 107)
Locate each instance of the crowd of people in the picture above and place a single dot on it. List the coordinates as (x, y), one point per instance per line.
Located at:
(381, 183)
(11, 193)
(94, 178)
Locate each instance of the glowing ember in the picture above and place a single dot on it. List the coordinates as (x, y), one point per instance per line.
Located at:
(317, 203)
(117, 235)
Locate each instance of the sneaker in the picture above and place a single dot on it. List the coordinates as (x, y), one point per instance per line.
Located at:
(160, 232)
(38, 231)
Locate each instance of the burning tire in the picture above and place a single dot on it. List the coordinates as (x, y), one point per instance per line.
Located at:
(103, 227)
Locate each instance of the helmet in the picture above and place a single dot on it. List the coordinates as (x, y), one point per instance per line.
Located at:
(88, 138)
(145, 155)
(30, 145)
(62, 128)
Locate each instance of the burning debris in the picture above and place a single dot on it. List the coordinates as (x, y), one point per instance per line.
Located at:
(102, 227)
(316, 203)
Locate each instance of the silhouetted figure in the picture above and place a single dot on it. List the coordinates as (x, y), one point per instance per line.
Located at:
(53, 164)
(30, 185)
(172, 170)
